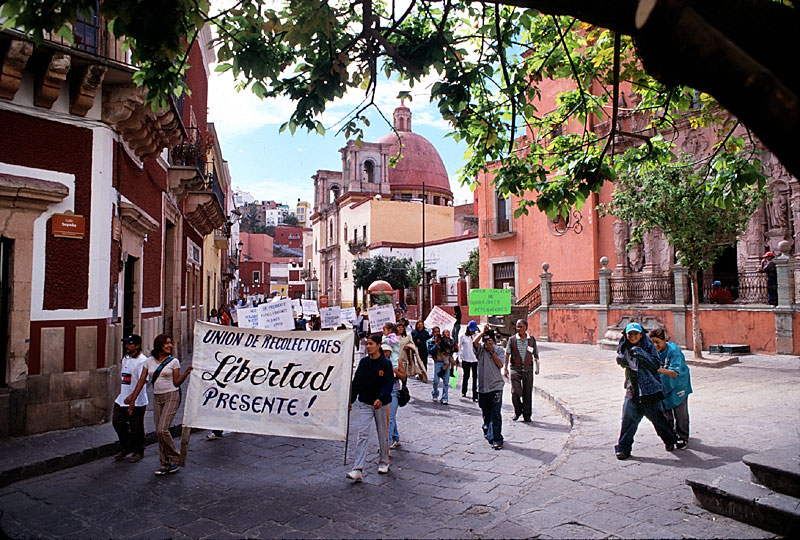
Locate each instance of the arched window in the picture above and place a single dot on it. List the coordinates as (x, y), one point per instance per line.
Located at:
(369, 171)
(333, 195)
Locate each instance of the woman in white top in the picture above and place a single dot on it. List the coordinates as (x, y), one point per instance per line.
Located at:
(166, 378)
(469, 361)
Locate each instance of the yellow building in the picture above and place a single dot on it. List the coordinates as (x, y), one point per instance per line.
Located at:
(368, 202)
(302, 212)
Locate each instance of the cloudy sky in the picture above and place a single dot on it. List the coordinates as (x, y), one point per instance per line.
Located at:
(273, 166)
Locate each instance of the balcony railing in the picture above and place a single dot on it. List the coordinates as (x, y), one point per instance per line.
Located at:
(356, 246)
(643, 289)
(575, 292)
(532, 300)
(744, 288)
(497, 227)
(91, 35)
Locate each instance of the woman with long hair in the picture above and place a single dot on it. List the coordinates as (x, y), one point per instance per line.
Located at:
(371, 392)
(165, 375)
(421, 336)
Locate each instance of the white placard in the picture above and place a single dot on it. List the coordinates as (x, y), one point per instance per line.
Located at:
(297, 306)
(379, 315)
(276, 315)
(248, 317)
(273, 383)
(349, 315)
(309, 307)
(442, 319)
(330, 317)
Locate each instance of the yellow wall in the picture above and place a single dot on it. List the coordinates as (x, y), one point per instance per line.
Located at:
(212, 267)
(397, 221)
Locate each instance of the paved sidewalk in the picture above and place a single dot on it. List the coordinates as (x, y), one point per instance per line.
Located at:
(550, 481)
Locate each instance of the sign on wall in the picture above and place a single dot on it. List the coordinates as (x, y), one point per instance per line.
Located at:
(68, 226)
(271, 383)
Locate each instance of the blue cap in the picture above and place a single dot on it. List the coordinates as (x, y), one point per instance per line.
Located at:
(717, 284)
(472, 326)
(634, 327)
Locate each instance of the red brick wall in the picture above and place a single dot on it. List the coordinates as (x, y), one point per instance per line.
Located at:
(42, 144)
(572, 326)
(198, 84)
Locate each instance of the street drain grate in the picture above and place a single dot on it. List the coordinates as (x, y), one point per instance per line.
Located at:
(561, 376)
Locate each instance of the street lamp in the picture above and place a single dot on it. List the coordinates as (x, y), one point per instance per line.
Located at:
(424, 273)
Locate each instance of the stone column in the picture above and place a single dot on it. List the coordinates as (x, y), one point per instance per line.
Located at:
(784, 333)
(681, 279)
(604, 277)
(544, 333)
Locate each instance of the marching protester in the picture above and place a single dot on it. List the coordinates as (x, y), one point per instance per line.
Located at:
(128, 416)
(233, 315)
(523, 356)
(490, 385)
(371, 392)
(421, 337)
(677, 384)
(469, 362)
(644, 392)
(391, 344)
(166, 378)
(409, 354)
(440, 348)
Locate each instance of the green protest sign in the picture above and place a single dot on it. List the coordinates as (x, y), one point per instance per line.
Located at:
(489, 302)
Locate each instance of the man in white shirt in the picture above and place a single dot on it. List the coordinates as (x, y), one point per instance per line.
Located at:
(469, 362)
(129, 422)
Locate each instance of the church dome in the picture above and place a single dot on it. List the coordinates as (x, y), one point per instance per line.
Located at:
(420, 161)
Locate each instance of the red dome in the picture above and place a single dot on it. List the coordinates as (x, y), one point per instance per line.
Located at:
(420, 162)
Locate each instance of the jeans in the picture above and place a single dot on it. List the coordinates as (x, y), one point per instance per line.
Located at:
(437, 367)
(491, 403)
(679, 419)
(522, 392)
(632, 414)
(470, 367)
(394, 434)
(129, 428)
(365, 414)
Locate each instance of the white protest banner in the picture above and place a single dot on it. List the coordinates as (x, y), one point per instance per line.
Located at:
(276, 315)
(309, 307)
(442, 319)
(379, 315)
(273, 383)
(349, 314)
(248, 317)
(330, 317)
(296, 306)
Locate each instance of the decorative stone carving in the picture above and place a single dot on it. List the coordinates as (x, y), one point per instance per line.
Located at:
(14, 62)
(752, 242)
(48, 85)
(778, 211)
(83, 93)
(694, 143)
(620, 242)
(136, 219)
(636, 257)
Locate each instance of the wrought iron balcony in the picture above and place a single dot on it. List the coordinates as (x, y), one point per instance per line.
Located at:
(498, 227)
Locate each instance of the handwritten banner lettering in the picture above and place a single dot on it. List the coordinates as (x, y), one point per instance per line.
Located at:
(272, 383)
(379, 315)
(330, 317)
(276, 315)
(442, 319)
(309, 307)
(489, 302)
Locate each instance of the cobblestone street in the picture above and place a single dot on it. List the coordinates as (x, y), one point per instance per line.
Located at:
(556, 477)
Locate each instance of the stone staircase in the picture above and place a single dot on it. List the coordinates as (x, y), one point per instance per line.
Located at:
(768, 499)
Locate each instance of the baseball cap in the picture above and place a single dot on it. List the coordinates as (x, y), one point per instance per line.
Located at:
(769, 254)
(634, 327)
(472, 326)
(717, 284)
(133, 339)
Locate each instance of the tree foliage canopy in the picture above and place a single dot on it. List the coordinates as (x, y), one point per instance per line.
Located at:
(488, 61)
(394, 270)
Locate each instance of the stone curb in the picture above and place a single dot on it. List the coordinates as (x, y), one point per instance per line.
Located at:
(47, 466)
(574, 428)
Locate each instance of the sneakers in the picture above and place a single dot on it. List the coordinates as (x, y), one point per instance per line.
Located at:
(173, 468)
(435, 398)
(383, 468)
(475, 400)
(213, 436)
(162, 471)
(444, 402)
(681, 444)
(135, 458)
(497, 446)
(622, 455)
(354, 475)
(119, 456)
(669, 447)
(394, 445)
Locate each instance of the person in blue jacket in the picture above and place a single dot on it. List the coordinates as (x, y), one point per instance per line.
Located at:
(370, 395)
(644, 393)
(677, 384)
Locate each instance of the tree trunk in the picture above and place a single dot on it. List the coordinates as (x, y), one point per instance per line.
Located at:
(697, 344)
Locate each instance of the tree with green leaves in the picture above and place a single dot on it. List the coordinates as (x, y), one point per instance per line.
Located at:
(393, 270)
(719, 60)
(415, 274)
(291, 221)
(473, 264)
(689, 204)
